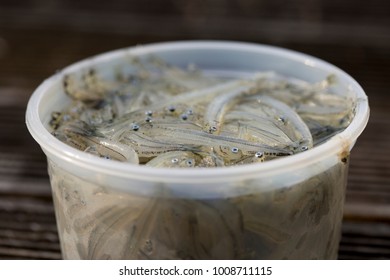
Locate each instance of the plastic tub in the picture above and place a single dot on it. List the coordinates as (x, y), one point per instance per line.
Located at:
(289, 208)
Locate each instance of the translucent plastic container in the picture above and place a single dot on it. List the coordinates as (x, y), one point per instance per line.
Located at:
(288, 208)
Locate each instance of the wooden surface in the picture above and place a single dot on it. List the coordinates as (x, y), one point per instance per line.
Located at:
(38, 37)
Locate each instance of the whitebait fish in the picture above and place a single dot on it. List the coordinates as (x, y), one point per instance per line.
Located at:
(148, 147)
(287, 114)
(189, 136)
(190, 78)
(163, 115)
(89, 87)
(79, 135)
(217, 108)
(175, 159)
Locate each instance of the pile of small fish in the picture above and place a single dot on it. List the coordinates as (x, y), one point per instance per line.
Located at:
(165, 116)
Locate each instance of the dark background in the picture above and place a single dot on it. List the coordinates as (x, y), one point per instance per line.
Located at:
(38, 37)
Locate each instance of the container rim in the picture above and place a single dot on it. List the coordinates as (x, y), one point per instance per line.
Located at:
(338, 145)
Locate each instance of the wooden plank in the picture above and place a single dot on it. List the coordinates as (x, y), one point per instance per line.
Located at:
(366, 252)
(33, 236)
(367, 212)
(20, 253)
(30, 245)
(32, 227)
(13, 97)
(366, 228)
(25, 186)
(25, 204)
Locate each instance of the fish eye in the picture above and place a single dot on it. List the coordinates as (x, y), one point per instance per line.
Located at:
(135, 127)
(259, 155)
(172, 108)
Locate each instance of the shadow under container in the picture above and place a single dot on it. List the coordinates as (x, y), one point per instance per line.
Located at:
(289, 208)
